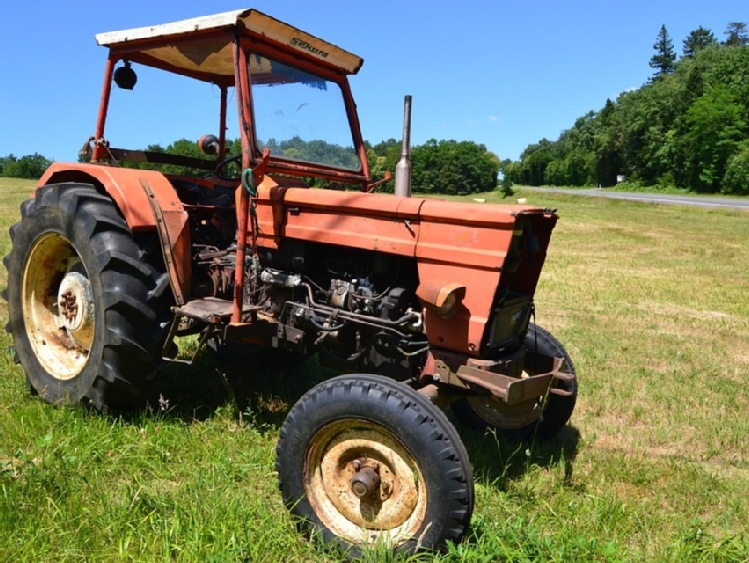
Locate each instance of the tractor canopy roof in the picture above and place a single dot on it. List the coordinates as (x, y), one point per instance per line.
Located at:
(203, 47)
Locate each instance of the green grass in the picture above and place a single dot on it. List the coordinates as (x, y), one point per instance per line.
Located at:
(652, 303)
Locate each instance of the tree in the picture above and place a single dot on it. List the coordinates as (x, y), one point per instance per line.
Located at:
(505, 187)
(689, 131)
(383, 157)
(665, 56)
(28, 166)
(736, 180)
(697, 40)
(452, 167)
(736, 35)
(716, 127)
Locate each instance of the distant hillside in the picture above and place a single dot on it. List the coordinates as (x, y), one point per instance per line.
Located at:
(687, 128)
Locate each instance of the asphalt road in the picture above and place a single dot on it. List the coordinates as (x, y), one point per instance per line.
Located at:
(695, 200)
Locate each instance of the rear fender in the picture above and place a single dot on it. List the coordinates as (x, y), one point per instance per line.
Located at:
(147, 201)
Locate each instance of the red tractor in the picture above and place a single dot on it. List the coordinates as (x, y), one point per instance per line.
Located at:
(421, 303)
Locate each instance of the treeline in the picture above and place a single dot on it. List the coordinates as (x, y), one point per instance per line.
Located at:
(28, 166)
(688, 127)
(443, 167)
(439, 167)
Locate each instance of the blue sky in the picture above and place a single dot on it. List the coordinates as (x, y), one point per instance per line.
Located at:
(501, 73)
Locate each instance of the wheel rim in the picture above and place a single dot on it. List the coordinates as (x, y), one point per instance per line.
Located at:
(364, 485)
(58, 306)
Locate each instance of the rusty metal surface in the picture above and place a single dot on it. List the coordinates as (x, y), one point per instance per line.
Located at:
(514, 390)
(388, 509)
(124, 187)
(509, 365)
(369, 221)
(60, 337)
(166, 243)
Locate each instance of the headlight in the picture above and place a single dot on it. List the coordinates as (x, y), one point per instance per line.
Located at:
(444, 298)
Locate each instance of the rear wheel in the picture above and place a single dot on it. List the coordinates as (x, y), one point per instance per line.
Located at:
(544, 418)
(87, 305)
(366, 461)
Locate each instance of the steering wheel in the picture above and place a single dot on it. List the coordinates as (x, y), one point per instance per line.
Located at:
(221, 168)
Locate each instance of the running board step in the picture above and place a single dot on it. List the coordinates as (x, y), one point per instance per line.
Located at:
(210, 309)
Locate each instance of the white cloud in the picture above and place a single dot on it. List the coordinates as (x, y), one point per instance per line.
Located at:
(477, 121)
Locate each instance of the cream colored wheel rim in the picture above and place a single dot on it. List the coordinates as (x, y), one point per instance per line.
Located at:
(58, 306)
(394, 507)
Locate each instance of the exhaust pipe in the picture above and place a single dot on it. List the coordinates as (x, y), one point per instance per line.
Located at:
(403, 168)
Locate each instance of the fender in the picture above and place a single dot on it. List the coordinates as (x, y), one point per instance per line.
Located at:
(147, 201)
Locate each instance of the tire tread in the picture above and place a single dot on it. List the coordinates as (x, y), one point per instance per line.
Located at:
(133, 296)
(439, 443)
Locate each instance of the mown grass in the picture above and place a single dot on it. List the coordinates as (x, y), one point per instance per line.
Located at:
(651, 302)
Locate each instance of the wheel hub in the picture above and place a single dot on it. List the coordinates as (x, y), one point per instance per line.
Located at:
(366, 481)
(76, 307)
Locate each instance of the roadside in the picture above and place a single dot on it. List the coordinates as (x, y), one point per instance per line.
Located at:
(671, 199)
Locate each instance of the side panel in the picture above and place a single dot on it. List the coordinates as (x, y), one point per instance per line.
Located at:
(465, 330)
(467, 244)
(377, 222)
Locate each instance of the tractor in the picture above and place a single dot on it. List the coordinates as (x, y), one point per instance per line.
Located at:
(280, 239)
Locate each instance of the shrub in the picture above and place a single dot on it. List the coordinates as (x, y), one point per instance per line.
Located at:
(736, 178)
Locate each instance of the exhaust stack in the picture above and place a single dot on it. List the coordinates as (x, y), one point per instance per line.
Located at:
(403, 168)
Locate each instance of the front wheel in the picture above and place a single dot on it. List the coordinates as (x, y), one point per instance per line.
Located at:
(87, 304)
(541, 420)
(366, 461)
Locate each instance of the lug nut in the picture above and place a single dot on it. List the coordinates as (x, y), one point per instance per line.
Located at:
(68, 305)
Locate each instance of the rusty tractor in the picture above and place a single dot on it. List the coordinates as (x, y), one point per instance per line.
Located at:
(421, 304)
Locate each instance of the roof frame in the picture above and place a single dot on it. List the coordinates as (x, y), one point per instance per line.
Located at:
(203, 47)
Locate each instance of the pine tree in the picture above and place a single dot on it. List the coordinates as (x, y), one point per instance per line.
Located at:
(697, 40)
(736, 34)
(665, 56)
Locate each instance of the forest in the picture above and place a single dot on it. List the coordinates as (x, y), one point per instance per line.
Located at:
(686, 128)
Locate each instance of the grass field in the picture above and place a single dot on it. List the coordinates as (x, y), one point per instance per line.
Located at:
(652, 303)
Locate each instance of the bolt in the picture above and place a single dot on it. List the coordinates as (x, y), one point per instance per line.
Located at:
(69, 305)
(386, 488)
